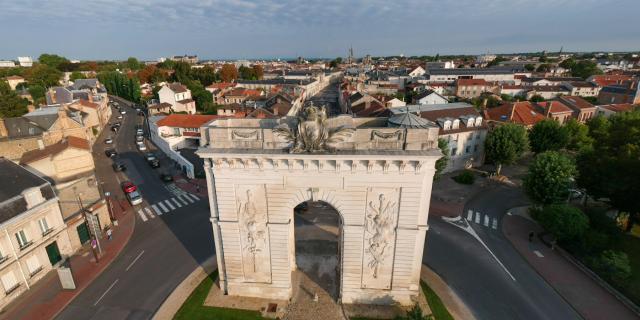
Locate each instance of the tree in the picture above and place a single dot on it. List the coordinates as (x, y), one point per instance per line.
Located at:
(415, 313)
(206, 75)
(563, 221)
(37, 93)
(611, 169)
(120, 85)
(584, 69)
(505, 97)
(505, 144)
(549, 177)
(536, 98)
(133, 64)
(496, 61)
(44, 75)
(52, 60)
(246, 73)
(544, 67)
(76, 75)
(182, 72)
(613, 265)
(11, 104)
(568, 63)
(258, 71)
(441, 163)
(228, 72)
(548, 134)
(579, 138)
(529, 67)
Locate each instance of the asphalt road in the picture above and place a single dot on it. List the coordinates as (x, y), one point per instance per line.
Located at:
(162, 251)
(327, 97)
(475, 275)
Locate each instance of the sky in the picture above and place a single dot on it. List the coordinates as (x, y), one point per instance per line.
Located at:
(243, 29)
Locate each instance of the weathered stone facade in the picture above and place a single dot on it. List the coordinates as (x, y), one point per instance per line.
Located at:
(378, 178)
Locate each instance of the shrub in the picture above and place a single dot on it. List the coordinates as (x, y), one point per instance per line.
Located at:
(465, 177)
(563, 221)
(613, 265)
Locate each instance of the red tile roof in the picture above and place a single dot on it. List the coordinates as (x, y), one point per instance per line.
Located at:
(471, 82)
(619, 107)
(554, 107)
(519, 112)
(88, 104)
(68, 142)
(607, 79)
(185, 120)
(222, 85)
(576, 102)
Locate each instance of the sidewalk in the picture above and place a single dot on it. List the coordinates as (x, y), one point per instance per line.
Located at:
(47, 299)
(193, 186)
(586, 296)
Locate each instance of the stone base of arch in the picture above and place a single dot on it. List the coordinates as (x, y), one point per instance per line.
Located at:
(383, 204)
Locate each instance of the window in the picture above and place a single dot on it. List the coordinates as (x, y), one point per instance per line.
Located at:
(454, 151)
(33, 264)
(467, 149)
(470, 136)
(9, 282)
(475, 148)
(44, 226)
(22, 239)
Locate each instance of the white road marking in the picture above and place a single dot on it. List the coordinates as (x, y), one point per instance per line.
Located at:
(470, 215)
(169, 204)
(182, 200)
(105, 293)
(508, 213)
(188, 199)
(163, 207)
(538, 253)
(134, 261)
(486, 220)
(494, 225)
(176, 202)
(196, 198)
(144, 218)
(477, 217)
(150, 213)
(155, 208)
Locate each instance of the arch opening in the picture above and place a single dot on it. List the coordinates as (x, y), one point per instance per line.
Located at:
(318, 252)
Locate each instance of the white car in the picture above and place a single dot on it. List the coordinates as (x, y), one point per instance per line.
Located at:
(108, 140)
(123, 111)
(139, 132)
(134, 197)
(139, 138)
(141, 146)
(119, 117)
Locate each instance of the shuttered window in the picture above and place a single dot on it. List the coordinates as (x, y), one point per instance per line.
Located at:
(33, 264)
(9, 281)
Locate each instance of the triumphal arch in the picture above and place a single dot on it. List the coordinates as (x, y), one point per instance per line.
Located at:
(376, 172)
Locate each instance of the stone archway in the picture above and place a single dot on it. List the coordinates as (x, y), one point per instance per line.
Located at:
(378, 178)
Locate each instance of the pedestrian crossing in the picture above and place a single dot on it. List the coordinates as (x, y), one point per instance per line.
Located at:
(482, 219)
(166, 206)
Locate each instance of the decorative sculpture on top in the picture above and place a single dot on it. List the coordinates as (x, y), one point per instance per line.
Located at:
(312, 134)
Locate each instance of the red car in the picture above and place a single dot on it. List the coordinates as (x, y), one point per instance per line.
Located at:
(128, 187)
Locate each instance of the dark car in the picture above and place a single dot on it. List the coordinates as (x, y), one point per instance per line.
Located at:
(154, 163)
(119, 166)
(110, 153)
(166, 177)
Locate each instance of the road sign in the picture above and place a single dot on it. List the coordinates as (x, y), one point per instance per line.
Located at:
(94, 225)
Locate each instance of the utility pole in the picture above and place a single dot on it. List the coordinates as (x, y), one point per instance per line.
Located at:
(93, 236)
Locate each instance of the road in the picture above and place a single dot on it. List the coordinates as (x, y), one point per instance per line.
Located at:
(474, 274)
(327, 97)
(163, 249)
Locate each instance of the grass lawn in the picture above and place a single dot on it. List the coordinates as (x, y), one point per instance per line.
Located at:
(193, 307)
(631, 246)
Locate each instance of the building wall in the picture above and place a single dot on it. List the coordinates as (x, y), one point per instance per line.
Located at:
(68, 163)
(354, 188)
(464, 147)
(433, 99)
(13, 149)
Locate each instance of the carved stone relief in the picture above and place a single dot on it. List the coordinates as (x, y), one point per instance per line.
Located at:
(238, 134)
(377, 135)
(251, 203)
(381, 220)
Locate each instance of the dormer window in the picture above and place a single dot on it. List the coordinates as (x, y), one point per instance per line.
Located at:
(447, 125)
(478, 121)
(456, 124)
(33, 197)
(470, 122)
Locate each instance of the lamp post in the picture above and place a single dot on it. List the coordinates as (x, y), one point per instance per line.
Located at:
(94, 239)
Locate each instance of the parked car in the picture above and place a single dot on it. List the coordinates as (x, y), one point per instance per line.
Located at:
(119, 117)
(154, 163)
(166, 177)
(139, 138)
(128, 187)
(150, 156)
(123, 111)
(119, 166)
(115, 129)
(108, 140)
(134, 198)
(139, 132)
(141, 146)
(110, 153)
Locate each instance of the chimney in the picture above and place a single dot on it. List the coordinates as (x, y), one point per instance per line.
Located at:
(3, 129)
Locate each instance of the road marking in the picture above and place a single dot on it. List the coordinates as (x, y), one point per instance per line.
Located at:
(477, 217)
(184, 196)
(538, 253)
(486, 220)
(150, 213)
(508, 213)
(155, 208)
(134, 261)
(494, 225)
(470, 215)
(163, 207)
(105, 293)
(182, 200)
(144, 218)
(196, 198)
(169, 204)
(176, 202)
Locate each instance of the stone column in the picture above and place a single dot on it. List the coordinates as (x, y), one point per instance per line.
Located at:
(213, 203)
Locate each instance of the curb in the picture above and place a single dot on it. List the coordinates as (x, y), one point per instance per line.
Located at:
(174, 301)
(449, 298)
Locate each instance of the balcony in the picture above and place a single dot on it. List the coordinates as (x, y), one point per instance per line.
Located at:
(34, 272)
(47, 232)
(26, 245)
(12, 289)
(3, 259)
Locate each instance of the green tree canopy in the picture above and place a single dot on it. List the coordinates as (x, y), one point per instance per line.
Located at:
(44, 75)
(11, 104)
(76, 75)
(441, 163)
(133, 64)
(536, 98)
(585, 69)
(563, 221)
(52, 60)
(505, 144)
(37, 92)
(579, 138)
(529, 67)
(120, 85)
(247, 73)
(549, 177)
(548, 134)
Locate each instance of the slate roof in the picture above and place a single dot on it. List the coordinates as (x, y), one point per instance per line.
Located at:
(15, 180)
(80, 84)
(177, 87)
(409, 120)
(576, 102)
